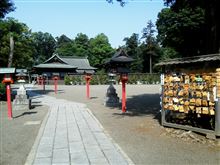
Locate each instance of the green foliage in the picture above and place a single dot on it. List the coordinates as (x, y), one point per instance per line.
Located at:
(81, 43)
(65, 46)
(44, 46)
(132, 48)
(150, 47)
(183, 24)
(74, 79)
(101, 78)
(67, 80)
(23, 51)
(2, 89)
(143, 78)
(99, 50)
(168, 53)
(6, 6)
(76, 47)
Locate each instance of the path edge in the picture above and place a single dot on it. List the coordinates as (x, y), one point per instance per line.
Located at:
(31, 156)
(130, 162)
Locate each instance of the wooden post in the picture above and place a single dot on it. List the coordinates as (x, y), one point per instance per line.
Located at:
(124, 79)
(8, 90)
(217, 109)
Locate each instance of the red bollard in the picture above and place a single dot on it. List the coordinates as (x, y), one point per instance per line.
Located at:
(124, 79)
(8, 90)
(88, 78)
(55, 84)
(7, 81)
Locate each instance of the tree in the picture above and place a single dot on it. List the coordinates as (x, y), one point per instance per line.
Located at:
(81, 43)
(44, 44)
(99, 50)
(64, 46)
(184, 27)
(193, 25)
(151, 47)
(23, 49)
(6, 6)
(132, 49)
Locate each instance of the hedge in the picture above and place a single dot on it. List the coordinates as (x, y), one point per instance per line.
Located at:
(101, 79)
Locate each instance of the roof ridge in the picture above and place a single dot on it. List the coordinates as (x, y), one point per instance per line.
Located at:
(76, 57)
(192, 57)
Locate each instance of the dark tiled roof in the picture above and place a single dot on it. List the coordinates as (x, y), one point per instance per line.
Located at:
(80, 62)
(55, 65)
(187, 60)
(68, 62)
(120, 56)
(60, 60)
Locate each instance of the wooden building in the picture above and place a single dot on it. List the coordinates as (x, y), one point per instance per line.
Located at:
(63, 65)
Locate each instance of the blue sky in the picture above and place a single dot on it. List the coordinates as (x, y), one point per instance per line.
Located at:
(90, 17)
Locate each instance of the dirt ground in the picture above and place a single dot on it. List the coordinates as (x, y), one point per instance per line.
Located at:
(18, 135)
(139, 133)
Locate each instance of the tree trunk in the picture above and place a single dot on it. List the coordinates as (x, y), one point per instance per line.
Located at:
(11, 52)
(150, 63)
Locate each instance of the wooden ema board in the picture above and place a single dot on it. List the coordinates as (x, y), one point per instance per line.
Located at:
(184, 92)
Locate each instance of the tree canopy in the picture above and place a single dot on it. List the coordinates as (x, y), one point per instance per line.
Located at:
(23, 43)
(6, 6)
(99, 50)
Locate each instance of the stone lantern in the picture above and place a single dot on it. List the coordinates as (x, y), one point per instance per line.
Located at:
(112, 98)
(119, 64)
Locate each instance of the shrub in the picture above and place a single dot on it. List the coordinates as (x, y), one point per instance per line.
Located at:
(67, 80)
(2, 91)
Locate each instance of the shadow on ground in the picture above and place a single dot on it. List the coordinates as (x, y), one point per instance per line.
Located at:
(25, 113)
(142, 105)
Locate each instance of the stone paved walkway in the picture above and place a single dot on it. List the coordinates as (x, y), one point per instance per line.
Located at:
(72, 135)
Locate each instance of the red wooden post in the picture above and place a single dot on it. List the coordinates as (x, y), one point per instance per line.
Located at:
(87, 89)
(7, 81)
(124, 79)
(87, 77)
(55, 84)
(8, 90)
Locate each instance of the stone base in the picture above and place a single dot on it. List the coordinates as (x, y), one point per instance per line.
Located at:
(20, 107)
(111, 104)
(112, 99)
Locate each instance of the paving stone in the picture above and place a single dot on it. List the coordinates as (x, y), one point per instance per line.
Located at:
(46, 140)
(44, 152)
(60, 156)
(76, 146)
(99, 161)
(60, 143)
(42, 161)
(79, 158)
(94, 153)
